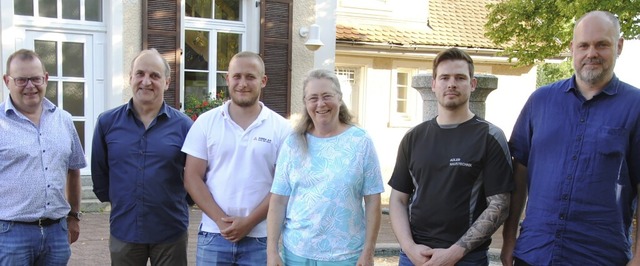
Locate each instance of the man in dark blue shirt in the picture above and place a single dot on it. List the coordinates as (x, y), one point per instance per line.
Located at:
(137, 165)
(576, 147)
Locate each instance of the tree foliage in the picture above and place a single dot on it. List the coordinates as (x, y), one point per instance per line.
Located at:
(551, 72)
(532, 30)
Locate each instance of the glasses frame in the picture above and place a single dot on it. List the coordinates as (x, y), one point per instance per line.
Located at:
(16, 80)
(326, 97)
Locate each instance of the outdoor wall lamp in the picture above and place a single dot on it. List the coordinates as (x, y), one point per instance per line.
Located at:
(313, 43)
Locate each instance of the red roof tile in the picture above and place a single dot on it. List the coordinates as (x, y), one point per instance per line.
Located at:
(455, 23)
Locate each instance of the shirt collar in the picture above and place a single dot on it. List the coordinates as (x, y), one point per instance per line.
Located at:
(46, 105)
(163, 109)
(261, 116)
(610, 89)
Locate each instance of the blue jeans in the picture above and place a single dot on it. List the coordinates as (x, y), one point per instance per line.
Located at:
(214, 249)
(476, 258)
(22, 244)
(288, 258)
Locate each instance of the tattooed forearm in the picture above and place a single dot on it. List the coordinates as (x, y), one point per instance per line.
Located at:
(488, 222)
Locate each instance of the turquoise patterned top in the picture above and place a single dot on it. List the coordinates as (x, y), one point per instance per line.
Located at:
(325, 217)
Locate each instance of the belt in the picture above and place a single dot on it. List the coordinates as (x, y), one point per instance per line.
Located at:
(41, 222)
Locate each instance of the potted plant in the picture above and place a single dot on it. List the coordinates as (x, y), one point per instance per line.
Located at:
(195, 106)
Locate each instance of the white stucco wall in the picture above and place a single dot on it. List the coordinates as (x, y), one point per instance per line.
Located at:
(302, 60)
(504, 104)
(627, 65)
(131, 42)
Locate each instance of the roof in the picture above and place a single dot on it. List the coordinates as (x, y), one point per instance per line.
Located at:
(458, 23)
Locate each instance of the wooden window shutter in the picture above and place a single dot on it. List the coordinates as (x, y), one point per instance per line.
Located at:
(275, 49)
(161, 30)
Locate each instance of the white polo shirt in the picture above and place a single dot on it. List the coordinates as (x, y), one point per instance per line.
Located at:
(240, 163)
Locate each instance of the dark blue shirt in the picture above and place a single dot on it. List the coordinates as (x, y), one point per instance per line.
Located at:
(583, 162)
(140, 171)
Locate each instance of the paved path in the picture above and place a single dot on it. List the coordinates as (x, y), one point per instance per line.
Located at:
(92, 246)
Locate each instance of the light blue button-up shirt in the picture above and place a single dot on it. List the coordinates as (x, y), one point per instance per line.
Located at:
(34, 161)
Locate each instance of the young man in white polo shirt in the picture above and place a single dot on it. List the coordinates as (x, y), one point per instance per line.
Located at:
(231, 156)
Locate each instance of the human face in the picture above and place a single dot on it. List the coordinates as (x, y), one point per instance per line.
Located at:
(245, 80)
(322, 102)
(595, 48)
(26, 98)
(148, 81)
(453, 85)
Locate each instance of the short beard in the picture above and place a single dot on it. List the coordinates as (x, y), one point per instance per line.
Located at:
(593, 76)
(245, 103)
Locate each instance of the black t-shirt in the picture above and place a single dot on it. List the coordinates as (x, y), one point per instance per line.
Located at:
(449, 172)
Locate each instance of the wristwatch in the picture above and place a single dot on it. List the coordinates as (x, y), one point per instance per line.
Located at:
(77, 215)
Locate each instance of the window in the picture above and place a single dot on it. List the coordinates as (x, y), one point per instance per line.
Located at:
(401, 92)
(350, 85)
(85, 10)
(405, 106)
(214, 31)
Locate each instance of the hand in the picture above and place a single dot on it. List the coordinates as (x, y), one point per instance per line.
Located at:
(237, 228)
(416, 254)
(74, 229)
(444, 257)
(365, 259)
(273, 259)
(635, 261)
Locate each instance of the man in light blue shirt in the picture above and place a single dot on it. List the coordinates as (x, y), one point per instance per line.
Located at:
(40, 160)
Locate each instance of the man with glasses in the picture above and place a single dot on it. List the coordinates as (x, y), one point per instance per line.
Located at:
(40, 161)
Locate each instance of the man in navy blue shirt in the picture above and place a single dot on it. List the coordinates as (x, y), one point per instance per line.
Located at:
(137, 165)
(576, 147)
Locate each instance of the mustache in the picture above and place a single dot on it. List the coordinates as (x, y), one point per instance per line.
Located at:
(592, 61)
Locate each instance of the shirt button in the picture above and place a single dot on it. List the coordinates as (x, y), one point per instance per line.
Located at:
(565, 197)
(574, 157)
(579, 137)
(581, 120)
(569, 177)
(43, 151)
(561, 216)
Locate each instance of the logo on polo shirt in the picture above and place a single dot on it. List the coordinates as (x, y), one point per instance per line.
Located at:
(458, 162)
(261, 139)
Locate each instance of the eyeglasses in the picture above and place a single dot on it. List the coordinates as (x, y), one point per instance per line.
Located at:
(325, 98)
(22, 81)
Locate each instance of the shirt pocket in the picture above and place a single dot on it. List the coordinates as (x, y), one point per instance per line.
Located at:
(611, 150)
(612, 142)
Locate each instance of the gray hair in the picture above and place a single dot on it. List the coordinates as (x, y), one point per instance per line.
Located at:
(305, 124)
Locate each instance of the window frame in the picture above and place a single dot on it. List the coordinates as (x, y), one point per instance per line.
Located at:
(247, 27)
(412, 116)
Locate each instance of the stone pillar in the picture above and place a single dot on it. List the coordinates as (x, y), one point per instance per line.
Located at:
(422, 83)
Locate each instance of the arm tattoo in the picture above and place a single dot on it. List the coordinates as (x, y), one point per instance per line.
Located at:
(487, 223)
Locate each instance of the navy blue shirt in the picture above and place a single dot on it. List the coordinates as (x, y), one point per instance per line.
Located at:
(583, 162)
(140, 171)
